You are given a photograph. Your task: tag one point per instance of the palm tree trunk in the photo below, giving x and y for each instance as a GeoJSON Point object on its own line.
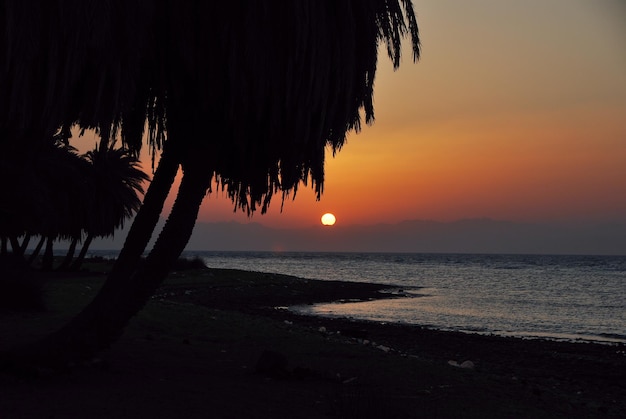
{"type": "Point", "coordinates": [36, 251]}
{"type": "Point", "coordinates": [25, 242]}
{"type": "Point", "coordinates": [104, 319]}
{"type": "Point", "coordinates": [78, 262]}
{"type": "Point", "coordinates": [69, 256]}
{"type": "Point", "coordinates": [146, 219]}
{"type": "Point", "coordinates": [48, 257]}
{"type": "Point", "coordinates": [15, 245]}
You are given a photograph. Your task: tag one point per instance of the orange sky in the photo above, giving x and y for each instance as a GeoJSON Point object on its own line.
{"type": "Point", "coordinates": [516, 111]}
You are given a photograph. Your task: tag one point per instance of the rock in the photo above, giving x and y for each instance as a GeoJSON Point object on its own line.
{"type": "Point", "coordinates": [354, 333]}
{"type": "Point", "coordinates": [469, 365]}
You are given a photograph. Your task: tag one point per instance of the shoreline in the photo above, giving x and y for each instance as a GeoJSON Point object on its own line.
{"type": "Point", "coordinates": [211, 340]}
{"type": "Point", "coordinates": [547, 337]}
{"type": "Point", "coordinates": [582, 372]}
{"type": "Point", "coordinates": [306, 292]}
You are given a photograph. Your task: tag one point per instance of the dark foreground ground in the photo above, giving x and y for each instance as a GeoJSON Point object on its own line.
{"type": "Point", "coordinates": [212, 344]}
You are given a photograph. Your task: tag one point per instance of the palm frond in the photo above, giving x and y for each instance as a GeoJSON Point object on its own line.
{"type": "Point", "coordinates": [250, 92]}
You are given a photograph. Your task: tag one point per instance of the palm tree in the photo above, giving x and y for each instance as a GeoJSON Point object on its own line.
{"type": "Point", "coordinates": [24, 204]}
{"type": "Point", "coordinates": [59, 174]}
{"type": "Point", "coordinates": [115, 180]}
{"type": "Point", "coordinates": [250, 94]}
{"type": "Point", "coordinates": [45, 197]}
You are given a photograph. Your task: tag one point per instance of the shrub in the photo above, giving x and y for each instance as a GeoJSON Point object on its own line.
{"type": "Point", "coordinates": [185, 264]}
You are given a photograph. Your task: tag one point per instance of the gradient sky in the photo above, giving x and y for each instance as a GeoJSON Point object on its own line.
{"type": "Point", "coordinates": [516, 111]}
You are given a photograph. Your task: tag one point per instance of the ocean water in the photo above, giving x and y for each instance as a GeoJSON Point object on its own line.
{"type": "Point", "coordinates": [532, 296]}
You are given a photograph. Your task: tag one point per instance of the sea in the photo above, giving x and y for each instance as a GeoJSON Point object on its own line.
{"type": "Point", "coordinates": [573, 298]}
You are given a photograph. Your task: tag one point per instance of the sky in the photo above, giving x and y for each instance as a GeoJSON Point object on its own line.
{"type": "Point", "coordinates": [516, 111]}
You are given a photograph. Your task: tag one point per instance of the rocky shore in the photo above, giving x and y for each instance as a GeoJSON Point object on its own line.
{"type": "Point", "coordinates": [219, 343]}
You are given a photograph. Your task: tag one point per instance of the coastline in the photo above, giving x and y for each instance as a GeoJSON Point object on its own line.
{"type": "Point", "coordinates": [213, 341]}
{"type": "Point", "coordinates": [579, 374]}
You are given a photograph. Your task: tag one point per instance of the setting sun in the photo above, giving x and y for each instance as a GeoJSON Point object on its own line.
{"type": "Point", "coordinates": [328, 219]}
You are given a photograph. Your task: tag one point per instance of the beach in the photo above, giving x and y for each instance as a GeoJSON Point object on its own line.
{"type": "Point", "coordinates": [221, 343]}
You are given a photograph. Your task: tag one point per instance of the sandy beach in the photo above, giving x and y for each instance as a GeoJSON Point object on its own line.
{"type": "Point", "coordinates": [220, 343]}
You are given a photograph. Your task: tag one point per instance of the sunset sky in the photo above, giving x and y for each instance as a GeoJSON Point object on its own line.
{"type": "Point", "coordinates": [516, 111]}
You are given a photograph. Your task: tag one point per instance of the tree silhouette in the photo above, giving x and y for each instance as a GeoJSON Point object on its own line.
{"type": "Point", "coordinates": [60, 172]}
{"type": "Point", "coordinates": [114, 181]}
{"type": "Point", "coordinates": [66, 196]}
{"type": "Point", "coordinates": [248, 94]}
{"type": "Point", "coordinates": [43, 196]}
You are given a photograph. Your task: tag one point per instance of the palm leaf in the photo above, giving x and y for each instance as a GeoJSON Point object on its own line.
{"type": "Point", "coordinates": [253, 93]}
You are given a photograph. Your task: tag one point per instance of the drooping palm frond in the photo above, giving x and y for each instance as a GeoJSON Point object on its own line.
{"type": "Point", "coordinates": [115, 185]}
{"type": "Point", "coordinates": [259, 90]}
{"type": "Point", "coordinates": [44, 196]}
{"type": "Point", "coordinates": [63, 172]}
{"type": "Point", "coordinates": [72, 61]}
{"type": "Point", "coordinates": [249, 92]}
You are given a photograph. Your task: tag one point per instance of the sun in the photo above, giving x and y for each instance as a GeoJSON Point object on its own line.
{"type": "Point", "coordinates": [328, 219]}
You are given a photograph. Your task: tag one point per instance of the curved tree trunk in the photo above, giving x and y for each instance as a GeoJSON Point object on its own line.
{"type": "Point", "coordinates": [36, 251]}
{"type": "Point", "coordinates": [78, 262]}
{"type": "Point", "coordinates": [104, 319]}
{"type": "Point", "coordinates": [15, 246]}
{"type": "Point", "coordinates": [25, 242]}
{"type": "Point", "coordinates": [144, 222]}
{"type": "Point", "coordinates": [125, 290]}
{"type": "Point", "coordinates": [47, 261]}
{"type": "Point", "coordinates": [146, 219]}
{"type": "Point", "coordinates": [69, 256]}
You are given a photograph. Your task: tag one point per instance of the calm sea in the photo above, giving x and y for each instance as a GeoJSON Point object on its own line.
{"type": "Point", "coordinates": [559, 297]}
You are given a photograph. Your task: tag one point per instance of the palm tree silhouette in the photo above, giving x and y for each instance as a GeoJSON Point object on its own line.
{"type": "Point", "coordinates": [248, 94]}
{"type": "Point", "coordinates": [64, 195]}
{"type": "Point", "coordinates": [59, 175]}
{"type": "Point", "coordinates": [43, 197]}
{"type": "Point", "coordinates": [114, 184]}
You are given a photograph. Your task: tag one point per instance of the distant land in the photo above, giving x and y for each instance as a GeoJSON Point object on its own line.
{"type": "Point", "coordinates": [463, 236]}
